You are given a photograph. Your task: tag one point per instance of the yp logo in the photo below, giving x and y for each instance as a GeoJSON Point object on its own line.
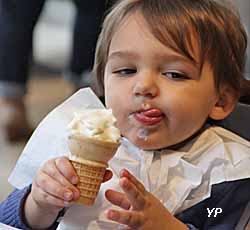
{"type": "Point", "coordinates": [216, 211]}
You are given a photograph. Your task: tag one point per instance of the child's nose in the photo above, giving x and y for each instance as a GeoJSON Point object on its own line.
{"type": "Point", "coordinates": [146, 85]}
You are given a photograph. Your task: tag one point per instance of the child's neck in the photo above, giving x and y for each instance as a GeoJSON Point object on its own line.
{"type": "Point", "coordinates": [183, 143]}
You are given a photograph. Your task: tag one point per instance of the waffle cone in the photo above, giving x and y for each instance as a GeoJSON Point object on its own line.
{"type": "Point", "coordinates": [89, 158]}
{"type": "Point", "coordinates": [90, 178]}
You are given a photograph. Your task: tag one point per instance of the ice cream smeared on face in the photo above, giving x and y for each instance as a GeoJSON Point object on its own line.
{"type": "Point", "coordinates": [143, 134]}
{"type": "Point", "coordinates": [95, 123]}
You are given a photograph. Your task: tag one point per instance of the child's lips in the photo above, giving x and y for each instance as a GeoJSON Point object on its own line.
{"type": "Point", "coordinates": [149, 116]}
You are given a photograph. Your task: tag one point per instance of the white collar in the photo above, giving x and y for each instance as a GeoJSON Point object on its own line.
{"type": "Point", "coordinates": [182, 178]}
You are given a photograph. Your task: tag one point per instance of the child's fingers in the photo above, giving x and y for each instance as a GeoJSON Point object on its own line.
{"type": "Point", "coordinates": [108, 175]}
{"type": "Point", "coordinates": [67, 169]}
{"type": "Point", "coordinates": [132, 219]}
{"type": "Point", "coordinates": [118, 198]}
{"type": "Point", "coordinates": [50, 168]}
{"type": "Point", "coordinates": [53, 187]}
{"type": "Point", "coordinates": [44, 198]}
{"type": "Point", "coordinates": [134, 195]}
{"type": "Point", "coordinates": [137, 183]}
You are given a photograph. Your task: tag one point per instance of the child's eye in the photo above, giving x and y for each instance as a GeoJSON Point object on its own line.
{"type": "Point", "coordinates": [176, 75]}
{"type": "Point", "coordinates": [125, 71]}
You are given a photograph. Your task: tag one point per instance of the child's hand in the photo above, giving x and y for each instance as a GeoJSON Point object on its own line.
{"type": "Point", "coordinates": [53, 188]}
{"type": "Point", "coordinates": [141, 209]}
{"type": "Point", "coordinates": [54, 185]}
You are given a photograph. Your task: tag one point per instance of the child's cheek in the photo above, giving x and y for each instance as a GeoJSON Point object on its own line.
{"type": "Point", "coordinates": [108, 96]}
{"type": "Point", "coordinates": [111, 97]}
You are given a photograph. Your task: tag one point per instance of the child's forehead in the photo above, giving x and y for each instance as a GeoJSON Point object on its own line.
{"type": "Point", "coordinates": [136, 23]}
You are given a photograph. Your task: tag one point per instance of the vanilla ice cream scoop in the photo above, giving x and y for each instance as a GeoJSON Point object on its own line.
{"type": "Point", "coordinates": [95, 123]}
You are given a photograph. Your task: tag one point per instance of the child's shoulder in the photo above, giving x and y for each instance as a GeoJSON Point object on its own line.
{"type": "Point", "coordinates": [223, 208]}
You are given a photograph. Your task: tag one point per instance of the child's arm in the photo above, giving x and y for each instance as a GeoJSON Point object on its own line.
{"type": "Point", "coordinates": [10, 208]}
{"type": "Point", "coordinates": [53, 189]}
{"type": "Point", "coordinates": [142, 209]}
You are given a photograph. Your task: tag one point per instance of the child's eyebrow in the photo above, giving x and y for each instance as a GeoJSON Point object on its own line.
{"type": "Point", "coordinates": [123, 54]}
{"type": "Point", "coordinates": [126, 54]}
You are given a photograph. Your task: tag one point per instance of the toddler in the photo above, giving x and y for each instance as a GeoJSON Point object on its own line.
{"type": "Point", "coordinates": [169, 70]}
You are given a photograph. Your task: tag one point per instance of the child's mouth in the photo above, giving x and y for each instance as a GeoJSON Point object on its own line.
{"type": "Point", "coordinates": [149, 117]}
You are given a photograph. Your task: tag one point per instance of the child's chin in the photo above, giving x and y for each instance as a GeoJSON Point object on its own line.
{"type": "Point", "coordinates": [147, 144]}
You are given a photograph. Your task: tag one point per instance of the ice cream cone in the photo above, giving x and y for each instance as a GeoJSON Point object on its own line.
{"type": "Point", "coordinates": [89, 158]}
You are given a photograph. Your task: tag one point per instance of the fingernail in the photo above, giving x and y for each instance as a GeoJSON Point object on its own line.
{"type": "Point", "coordinates": [74, 180]}
{"type": "Point", "coordinates": [123, 173]}
{"type": "Point", "coordinates": [68, 195]}
{"type": "Point", "coordinates": [124, 182]}
{"type": "Point", "coordinates": [110, 214]}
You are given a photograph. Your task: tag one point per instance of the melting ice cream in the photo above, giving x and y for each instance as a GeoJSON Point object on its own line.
{"type": "Point", "coordinates": [95, 123]}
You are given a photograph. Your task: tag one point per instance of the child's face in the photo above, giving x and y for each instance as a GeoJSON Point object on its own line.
{"type": "Point", "coordinates": [158, 96]}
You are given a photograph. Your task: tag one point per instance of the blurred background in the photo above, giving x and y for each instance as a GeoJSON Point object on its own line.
{"type": "Point", "coordinates": [52, 45]}
{"type": "Point", "coordinates": [244, 9]}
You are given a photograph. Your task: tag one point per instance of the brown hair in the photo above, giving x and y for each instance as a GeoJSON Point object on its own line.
{"type": "Point", "coordinates": [216, 28]}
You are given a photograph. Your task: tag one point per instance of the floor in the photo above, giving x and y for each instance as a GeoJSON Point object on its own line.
{"type": "Point", "coordinates": [45, 92]}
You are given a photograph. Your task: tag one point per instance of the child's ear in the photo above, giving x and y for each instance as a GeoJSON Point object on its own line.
{"type": "Point", "coordinates": [226, 103]}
